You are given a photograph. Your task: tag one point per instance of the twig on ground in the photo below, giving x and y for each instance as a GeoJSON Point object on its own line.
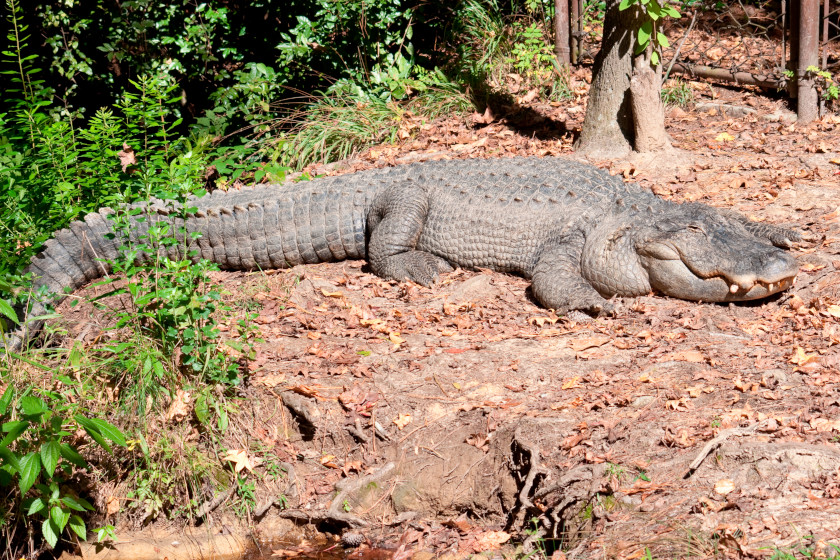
{"type": "Point", "coordinates": [715, 442]}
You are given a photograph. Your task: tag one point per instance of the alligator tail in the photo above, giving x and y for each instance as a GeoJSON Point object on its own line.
{"type": "Point", "coordinates": [74, 256]}
{"type": "Point", "coordinates": [257, 228]}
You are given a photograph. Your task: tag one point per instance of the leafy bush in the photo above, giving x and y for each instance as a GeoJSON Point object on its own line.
{"type": "Point", "coordinates": [351, 116]}
{"type": "Point", "coordinates": [37, 460]}
{"type": "Point", "coordinates": [345, 39]}
{"type": "Point", "coordinates": [493, 43]}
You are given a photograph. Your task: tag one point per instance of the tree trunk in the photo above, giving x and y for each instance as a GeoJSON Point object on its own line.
{"type": "Point", "coordinates": [619, 119]}
{"type": "Point", "coordinates": [648, 112]}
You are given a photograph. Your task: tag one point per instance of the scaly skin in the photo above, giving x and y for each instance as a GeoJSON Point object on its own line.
{"type": "Point", "coordinates": [579, 234]}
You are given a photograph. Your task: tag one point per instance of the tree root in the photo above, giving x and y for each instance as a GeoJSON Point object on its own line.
{"type": "Point", "coordinates": [208, 507]}
{"type": "Point", "coordinates": [282, 500]}
{"type": "Point", "coordinates": [529, 484]}
{"type": "Point", "coordinates": [333, 513]}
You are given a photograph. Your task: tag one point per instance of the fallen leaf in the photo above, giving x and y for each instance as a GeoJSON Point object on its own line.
{"type": "Point", "coordinates": [112, 505]}
{"type": "Point", "coordinates": [352, 466]}
{"type": "Point", "coordinates": [327, 461]}
{"type": "Point", "coordinates": [724, 137]}
{"type": "Point", "coordinates": [694, 391]}
{"type": "Point", "coordinates": [241, 460]}
{"type": "Point", "coordinates": [395, 337]}
{"type": "Point", "coordinates": [179, 409]}
{"type": "Point", "coordinates": [491, 540]}
{"type": "Point", "coordinates": [486, 118]}
{"type": "Point", "coordinates": [800, 358]}
{"type": "Point", "coordinates": [572, 383]}
{"type": "Point", "coordinates": [679, 404]}
{"type": "Point", "coordinates": [580, 344]}
{"type": "Point", "coordinates": [692, 356]}
{"type": "Point", "coordinates": [402, 421]}
{"type": "Point", "coordinates": [825, 425]}
{"type": "Point", "coordinates": [724, 486]}
{"type": "Point", "coordinates": [540, 320]}
{"type": "Point", "coordinates": [126, 157]}
{"type": "Point", "coordinates": [808, 267]}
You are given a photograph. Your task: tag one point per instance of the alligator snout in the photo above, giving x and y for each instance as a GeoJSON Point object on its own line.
{"type": "Point", "coordinates": [773, 272]}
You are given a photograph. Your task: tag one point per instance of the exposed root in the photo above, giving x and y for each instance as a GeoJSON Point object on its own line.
{"type": "Point", "coordinates": [302, 408]}
{"type": "Point", "coordinates": [310, 516]}
{"type": "Point", "coordinates": [345, 488]}
{"type": "Point", "coordinates": [574, 496]}
{"type": "Point", "coordinates": [358, 432]}
{"type": "Point", "coordinates": [535, 469]}
{"type": "Point", "coordinates": [281, 501]}
{"type": "Point", "coordinates": [208, 507]}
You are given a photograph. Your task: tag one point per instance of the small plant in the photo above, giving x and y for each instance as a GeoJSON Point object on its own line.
{"type": "Point", "coordinates": [641, 474]}
{"type": "Point", "coordinates": [246, 492]}
{"type": "Point", "coordinates": [36, 453]}
{"type": "Point", "coordinates": [536, 534]}
{"type": "Point", "coordinates": [677, 92]}
{"type": "Point", "coordinates": [806, 550]}
{"type": "Point", "coordinates": [615, 472]}
{"type": "Point", "coordinates": [273, 469]}
{"type": "Point", "coordinates": [337, 125]}
{"type": "Point", "coordinates": [830, 91]}
{"type": "Point", "coordinates": [172, 299]}
{"type": "Point", "coordinates": [531, 55]}
{"type": "Point", "coordinates": [106, 533]}
{"type": "Point", "coordinates": [168, 476]}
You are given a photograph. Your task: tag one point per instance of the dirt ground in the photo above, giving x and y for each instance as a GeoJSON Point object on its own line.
{"type": "Point", "coordinates": [464, 418]}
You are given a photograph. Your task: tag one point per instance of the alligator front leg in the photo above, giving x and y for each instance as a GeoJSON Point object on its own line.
{"type": "Point", "coordinates": [778, 236]}
{"type": "Point", "coordinates": [395, 223]}
{"type": "Point", "coordinates": [557, 283]}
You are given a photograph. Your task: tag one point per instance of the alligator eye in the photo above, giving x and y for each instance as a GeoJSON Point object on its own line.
{"type": "Point", "coordinates": [695, 228]}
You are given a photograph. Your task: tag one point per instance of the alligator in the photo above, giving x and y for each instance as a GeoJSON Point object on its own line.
{"type": "Point", "coordinates": [579, 234]}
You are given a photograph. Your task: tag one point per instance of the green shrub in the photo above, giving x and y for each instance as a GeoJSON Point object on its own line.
{"type": "Point", "coordinates": [38, 459]}
{"type": "Point", "coordinates": [493, 43]}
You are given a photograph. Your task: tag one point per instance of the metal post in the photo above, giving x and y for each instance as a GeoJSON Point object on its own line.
{"type": "Point", "coordinates": [574, 36]}
{"type": "Point", "coordinates": [825, 34]}
{"type": "Point", "coordinates": [561, 31]}
{"type": "Point", "coordinates": [794, 28]}
{"type": "Point", "coordinates": [809, 47]}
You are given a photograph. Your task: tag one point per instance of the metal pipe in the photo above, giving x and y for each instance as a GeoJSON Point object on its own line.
{"type": "Point", "coordinates": [562, 45]}
{"type": "Point", "coordinates": [809, 55]}
{"type": "Point", "coordinates": [760, 80]}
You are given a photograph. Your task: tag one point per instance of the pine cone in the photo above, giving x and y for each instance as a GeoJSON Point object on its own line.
{"type": "Point", "coordinates": [352, 539]}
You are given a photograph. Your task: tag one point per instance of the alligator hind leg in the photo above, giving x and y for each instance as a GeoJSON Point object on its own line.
{"type": "Point", "coordinates": [557, 283]}
{"type": "Point", "coordinates": [395, 222]}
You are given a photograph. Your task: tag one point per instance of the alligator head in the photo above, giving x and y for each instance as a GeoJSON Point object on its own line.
{"type": "Point", "coordinates": [694, 252]}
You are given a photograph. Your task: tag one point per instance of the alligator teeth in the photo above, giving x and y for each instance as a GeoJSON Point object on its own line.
{"type": "Point", "coordinates": [770, 287]}
{"type": "Point", "coordinates": [733, 288]}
